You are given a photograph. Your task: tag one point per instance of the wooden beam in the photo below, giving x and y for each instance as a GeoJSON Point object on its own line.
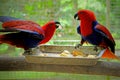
{"type": "Point", "coordinates": [19, 64]}
{"type": "Point", "coordinates": [108, 13]}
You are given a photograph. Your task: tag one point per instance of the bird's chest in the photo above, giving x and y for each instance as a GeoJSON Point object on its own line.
{"type": "Point", "coordinates": [86, 29]}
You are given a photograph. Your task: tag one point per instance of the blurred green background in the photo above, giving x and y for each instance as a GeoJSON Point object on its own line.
{"type": "Point", "coordinates": [42, 11]}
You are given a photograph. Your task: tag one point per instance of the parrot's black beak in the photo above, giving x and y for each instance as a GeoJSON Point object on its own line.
{"type": "Point", "coordinates": [57, 24]}
{"type": "Point", "coordinates": [76, 17]}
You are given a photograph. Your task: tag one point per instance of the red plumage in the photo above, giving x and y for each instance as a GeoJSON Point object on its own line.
{"type": "Point", "coordinates": [24, 25]}
{"type": "Point", "coordinates": [105, 30]}
{"type": "Point", "coordinates": [93, 32]}
{"type": "Point", "coordinates": [26, 34]}
{"type": "Point", "coordinates": [49, 31]}
{"type": "Point", "coordinates": [23, 28]}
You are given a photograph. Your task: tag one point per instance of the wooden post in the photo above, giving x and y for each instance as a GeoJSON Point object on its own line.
{"type": "Point", "coordinates": [19, 64]}
{"type": "Point", "coordinates": [108, 13]}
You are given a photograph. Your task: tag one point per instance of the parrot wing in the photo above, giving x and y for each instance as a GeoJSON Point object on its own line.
{"type": "Point", "coordinates": [22, 38]}
{"type": "Point", "coordinates": [7, 18]}
{"type": "Point", "coordinates": [15, 24]}
{"type": "Point", "coordinates": [108, 40]}
{"type": "Point", "coordinates": [104, 32]}
{"type": "Point", "coordinates": [21, 30]}
{"type": "Point", "coordinates": [24, 34]}
{"type": "Point", "coordinates": [24, 28]}
{"type": "Point", "coordinates": [78, 30]}
{"type": "Point", "coordinates": [106, 36]}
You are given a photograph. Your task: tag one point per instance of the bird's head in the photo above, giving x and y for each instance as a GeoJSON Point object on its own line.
{"type": "Point", "coordinates": [53, 24]}
{"type": "Point", "coordinates": [49, 29]}
{"type": "Point", "coordinates": [57, 24]}
{"type": "Point", "coordinates": [85, 15]}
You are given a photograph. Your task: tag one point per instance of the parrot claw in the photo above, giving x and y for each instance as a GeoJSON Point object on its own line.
{"type": "Point", "coordinates": [31, 51]}
{"type": "Point", "coordinates": [36, 50]}
{"type": "Point", "coordinates": [78, 45]}
{"type": "Point", "coordinates": [95, 48]}
{"type": "Point", "coordinates": [27, 52]}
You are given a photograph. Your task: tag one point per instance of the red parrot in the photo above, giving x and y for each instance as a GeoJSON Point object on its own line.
{"type": "Point", "coordinates": [25, 34]}
{"type": "Point", "coordinates": [93, 32]}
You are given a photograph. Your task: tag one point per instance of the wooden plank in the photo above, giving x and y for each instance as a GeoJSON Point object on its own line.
{"type": "Point", "coordinates": [108, 13]}
{"type": "Point", "coordinates": [19, 64]}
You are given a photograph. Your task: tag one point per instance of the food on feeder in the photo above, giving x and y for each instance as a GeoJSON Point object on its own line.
{"type": "Point", "coordinates": [65, 53]}
{"type": "Point", "coordinates": [91, 56]}
{"type": "Point", "coordinates": [74, 53]}
{"type": "Point", "coordinates": [78, 53]}
{"type": "Point", "coordinates": [42, 54]}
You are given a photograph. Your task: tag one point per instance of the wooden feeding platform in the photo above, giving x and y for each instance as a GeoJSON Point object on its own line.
{"type": "Point", "coordinates": [54, 62]}
{"type": "Point", "coordinates": [53, 54]}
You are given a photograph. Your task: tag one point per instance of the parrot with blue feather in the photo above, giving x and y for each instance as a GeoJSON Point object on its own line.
{"type": "Point", "coordinates": [93, 32]}
{"type": "Point", "coordinates": [24, 33]}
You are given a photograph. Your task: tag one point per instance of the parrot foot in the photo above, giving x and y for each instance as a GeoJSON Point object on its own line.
{"type": "Point", "coordinates": [95, 48]}
{"type": "Point", "coordinates": [32, 51]}
{"type": "Point", "coordinates": [78, 45]}
{"type": "Point", "coordinates": [36, 50]}
{"type": "Point", "coordinates": [28, 52]}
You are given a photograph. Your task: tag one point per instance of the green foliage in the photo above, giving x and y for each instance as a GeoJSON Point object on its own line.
{"type": "Point", "coordinates": [42, 11]}
{"type": "Point", "coordinates": [3, 48]}
{"type": "Point", "coordinates": [51, 76]}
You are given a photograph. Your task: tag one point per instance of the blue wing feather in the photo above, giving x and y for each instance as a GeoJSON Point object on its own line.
{"type": "Point", "coordinates": [78, 30]}
{"type": "Point", "coordinates": [106, 39]}
{"type": "Point", "coordinates": [20, 37]}
{"type": "Point", "coordinates": [26, 38]}
{"type": "Point", "coordinates": [7, 18]}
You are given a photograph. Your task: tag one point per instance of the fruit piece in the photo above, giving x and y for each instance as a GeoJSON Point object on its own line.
{"type": "Point", "coordinates": [77, 53]}
{"type": "Point", "coordinates": [91, 56]}
{"type": "Point", "coordinates": [65, 53]}
{"type": "Point", "coordinates": [42, 54]}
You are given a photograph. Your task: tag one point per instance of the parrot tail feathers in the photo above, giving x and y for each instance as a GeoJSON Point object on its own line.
{"type": "Point", "coordinates": [109, 54]}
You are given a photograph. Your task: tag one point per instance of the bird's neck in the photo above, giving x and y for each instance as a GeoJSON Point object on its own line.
{"type": "Point", "coordinates": [48, 34]}
{"type": "Point", "coordinates": [87, 27]}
